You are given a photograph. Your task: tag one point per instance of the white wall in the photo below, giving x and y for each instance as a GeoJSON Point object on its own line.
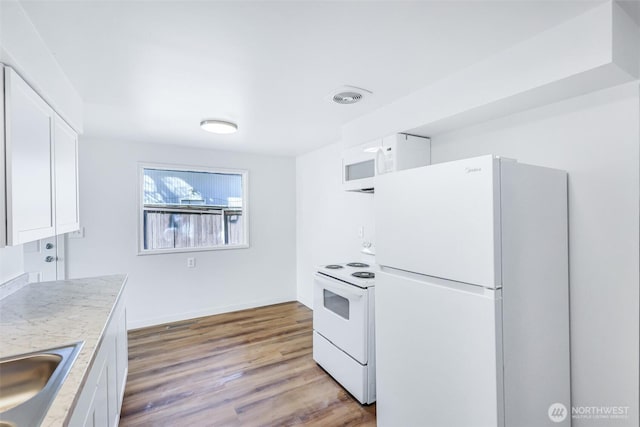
{"type": "Point", "coordinates": [161, 287]}
{"type": "Point", "coordinates": [22, 48]}
{"type": "Point", "coordinates": [327, 217]}
{"type": "Point", "coordinates": [594, 50]}
{"type": "Point", "coordinates": [596, 139]}
{"type": "Point", "coordinates": [11, 263]}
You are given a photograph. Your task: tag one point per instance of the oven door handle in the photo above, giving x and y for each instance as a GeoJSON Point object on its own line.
{"type": "Point", "coordinates": [342, 291]}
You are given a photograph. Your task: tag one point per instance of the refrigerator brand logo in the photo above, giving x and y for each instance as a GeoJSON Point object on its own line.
{"type": "Point", "coordinates": [471, 170]}
{"type": "Point", "coordinates": [557, 412]}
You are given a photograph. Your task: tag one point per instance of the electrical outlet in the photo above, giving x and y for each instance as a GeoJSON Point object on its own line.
{"type": "Point", "coordinates": [78, 234]}
{"type": "Point", "coordinates": [191, 262]}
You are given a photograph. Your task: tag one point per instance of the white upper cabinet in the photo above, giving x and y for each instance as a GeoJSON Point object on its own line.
{"type": "Point", "coordinates": [29, 169]}
{"type": "Point", "coordinates": [41, 166]}
{"type": "Point", "coordinates": [66, 177]}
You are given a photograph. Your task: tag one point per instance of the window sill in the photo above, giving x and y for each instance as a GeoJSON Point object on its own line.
{"type": "Point", "coordinates": [184, 250]}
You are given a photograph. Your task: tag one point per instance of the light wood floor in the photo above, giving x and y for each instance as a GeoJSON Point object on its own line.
{"type": "Point", "coordinates": [247, 368]}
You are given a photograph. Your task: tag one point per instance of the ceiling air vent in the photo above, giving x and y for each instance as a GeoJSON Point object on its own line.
{"type": "Point", "coordinates": [349, 95]}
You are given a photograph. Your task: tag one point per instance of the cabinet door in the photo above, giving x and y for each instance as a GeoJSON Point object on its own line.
{"type": "Point", "coordinates": [92, 406]}
{"type": "Point", "coordinates": [3, 209]}
{"type": "Point", "coordinates": [122, 352]}
{"type": "Point", "coordinates": [65, 145]}
{"type": "Point", "coordinates": [99, 410]}
{"type": "Point", "coordinates": [29, 166]}
{"type": "Point", "coordinates": [100, 399]}
{"type": "Point", "coordinates": [113, 411]}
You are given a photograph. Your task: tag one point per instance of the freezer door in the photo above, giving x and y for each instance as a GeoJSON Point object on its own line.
{"type": "Point", "coordinates": [442, 220]}
{"type": "Point", "coordinates": [437, 353]}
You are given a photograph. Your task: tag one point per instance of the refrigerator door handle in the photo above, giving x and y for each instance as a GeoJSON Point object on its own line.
{"type": "Point", "coordinates": [430, 280]}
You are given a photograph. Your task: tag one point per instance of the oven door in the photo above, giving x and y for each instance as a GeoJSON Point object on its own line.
{"type": "Point", "coordinates": [340, 315]}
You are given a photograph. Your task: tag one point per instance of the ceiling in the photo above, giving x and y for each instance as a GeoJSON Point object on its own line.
{"type": "Point", "coordinates": [149, 71]}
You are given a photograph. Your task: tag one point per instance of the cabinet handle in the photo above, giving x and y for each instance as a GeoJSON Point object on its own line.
{"type": "Point", "coordinates": [49, 246]}
{"type": "Point", "coordinates": [49, 259]}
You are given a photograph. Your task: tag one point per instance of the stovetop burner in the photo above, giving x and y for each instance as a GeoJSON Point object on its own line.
{"type": "Point", "coordinates": [364, 274]}
{"type": "Point", "coordinates": [358, 265]}
{"type": "Point", "coordinates": [333, 266]}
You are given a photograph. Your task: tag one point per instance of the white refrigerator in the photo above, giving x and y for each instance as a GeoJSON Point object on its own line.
{"type": "Point", "coordinates": [472, 300]}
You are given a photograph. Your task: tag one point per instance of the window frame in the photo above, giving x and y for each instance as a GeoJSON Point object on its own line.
{"type": "Point", "coordinates": [188, 168]}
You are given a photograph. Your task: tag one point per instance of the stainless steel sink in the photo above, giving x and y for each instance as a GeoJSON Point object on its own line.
{"type": "Point", "coordinates": [23, 378]}
{"type": "Point", "coordinates": [30, 382]}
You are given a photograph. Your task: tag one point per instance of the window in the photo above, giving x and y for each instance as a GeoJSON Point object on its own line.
{"type": "Point", "coordinates": [190, 209]}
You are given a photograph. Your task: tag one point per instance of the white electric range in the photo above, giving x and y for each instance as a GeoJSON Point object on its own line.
{"type": "Point", "coordinates": [343, 326]}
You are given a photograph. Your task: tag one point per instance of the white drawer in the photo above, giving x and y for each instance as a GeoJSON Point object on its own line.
{"type": "Point", "coordinates": [347, 371]}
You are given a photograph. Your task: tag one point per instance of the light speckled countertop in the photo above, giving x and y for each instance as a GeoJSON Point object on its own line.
{"type": "Point", "coordinates": [52, 314]}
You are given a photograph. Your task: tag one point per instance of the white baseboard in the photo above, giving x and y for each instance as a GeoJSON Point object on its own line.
{"type": "Point", "coordinates": [177, 317]}
{"type": "Point", "coordinates": [306, 302]}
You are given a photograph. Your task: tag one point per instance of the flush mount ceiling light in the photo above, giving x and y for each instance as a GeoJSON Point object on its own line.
{"type": "Point", "coordinates": [219, 126]}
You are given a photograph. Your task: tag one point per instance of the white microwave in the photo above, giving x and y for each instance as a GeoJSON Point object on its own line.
{"type": "Point", "coordinates": [361, 164]}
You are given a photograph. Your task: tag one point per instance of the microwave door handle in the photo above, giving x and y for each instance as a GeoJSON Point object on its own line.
{"type": "Point", "coordinates": [380, 163]}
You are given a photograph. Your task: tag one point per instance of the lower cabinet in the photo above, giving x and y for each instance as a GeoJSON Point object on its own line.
{"type": "Point", "coordinates": [101, 397]}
